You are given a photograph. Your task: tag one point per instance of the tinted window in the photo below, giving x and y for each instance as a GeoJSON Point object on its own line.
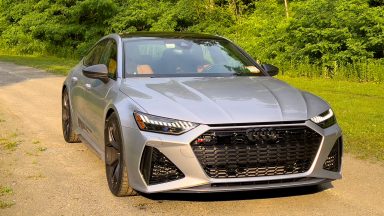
{"type": "Point", "coordinates": [94, 55]}
{"type": "Point", "coordinates": [109, 58]}
{"type": "Point", "coordinates": [186, 57]}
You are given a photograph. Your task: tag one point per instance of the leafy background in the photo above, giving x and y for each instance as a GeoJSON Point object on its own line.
{"type": "Point", "coordinates": [324, 38]}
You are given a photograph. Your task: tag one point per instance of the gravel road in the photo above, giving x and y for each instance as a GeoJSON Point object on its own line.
{"type": "Point", "coordinates": [51, 177]}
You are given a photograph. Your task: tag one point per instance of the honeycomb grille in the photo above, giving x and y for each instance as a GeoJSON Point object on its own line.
{"type": "Point", "coordinates": [333, 161]}
{"type": "Point", "coordinates": [255, 152]}
{"type": "Point", "coordinates": [157, 168]}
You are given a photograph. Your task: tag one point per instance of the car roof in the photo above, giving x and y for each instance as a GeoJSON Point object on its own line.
{"type": "Point", "coordinates": [169, 35]}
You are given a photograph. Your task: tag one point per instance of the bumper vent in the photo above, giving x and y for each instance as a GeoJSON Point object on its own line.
{"type": "Point", "coordinates": [258, 151]}
{"type": "Point", "coordinates": [333, 162]}
{"type": "Point", "coordinates": [156, 168]}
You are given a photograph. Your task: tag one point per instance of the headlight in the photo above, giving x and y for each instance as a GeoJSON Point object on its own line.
{"type": "Point", "coordinates": [158, 124]}
{"type": "Point", "coordinates": [325, 119]}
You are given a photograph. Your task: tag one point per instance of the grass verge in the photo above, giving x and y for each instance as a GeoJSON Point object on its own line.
{"type": "Point", "coordinates": [51, 64]}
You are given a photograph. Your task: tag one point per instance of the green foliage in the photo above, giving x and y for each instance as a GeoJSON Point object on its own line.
{"type": "Point", "coordinates": [330, 37]}
{"type": "Point", "coordinates": [64, 28]}
{"type": "Point", "coordinates": [326, 30]}
{"type": "Point", "coordinates": [359, 71]}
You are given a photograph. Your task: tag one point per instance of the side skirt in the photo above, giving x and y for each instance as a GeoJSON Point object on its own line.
{"type": "Point", "coordinates": [92, 146]}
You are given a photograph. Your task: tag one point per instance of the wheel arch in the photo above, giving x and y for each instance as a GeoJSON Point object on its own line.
{"type": "Point", "coordinates": [109, 113]}
{"type": "Point", "coordinates": [64, 88]}
{"type": "Point", "coordinates": [124, 107]}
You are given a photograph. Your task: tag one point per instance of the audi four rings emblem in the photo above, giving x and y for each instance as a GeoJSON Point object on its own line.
{"type": "Point", "coordinates": [262, 134]}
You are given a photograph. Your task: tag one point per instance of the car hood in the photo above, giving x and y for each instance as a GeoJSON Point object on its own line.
{"type": "Point", "coordinates": [222, 100]}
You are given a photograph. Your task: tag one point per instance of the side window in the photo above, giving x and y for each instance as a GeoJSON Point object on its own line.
{"type": "Point", "coordinates": [93, 56]}
{"type": "Point", "coordinates": [109, 58]}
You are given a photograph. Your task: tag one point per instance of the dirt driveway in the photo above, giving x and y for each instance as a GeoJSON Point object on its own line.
{"type": "Point", "coordinates": [40, 174]}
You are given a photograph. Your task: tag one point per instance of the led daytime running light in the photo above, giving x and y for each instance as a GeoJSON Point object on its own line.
{"type": "Point", "coordinates": [162, 125]}
{"type": "Point", "coordinates": [318, 119]}
{"type": "Point", "coordinates": [176, 124]}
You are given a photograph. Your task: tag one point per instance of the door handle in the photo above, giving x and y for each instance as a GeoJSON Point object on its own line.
{"type": "Point", "coordinates": [88, 86]}
{"type": "Point", "coordinates": [74, 79]}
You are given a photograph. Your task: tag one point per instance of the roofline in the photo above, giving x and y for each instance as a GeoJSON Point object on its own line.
{"type": "Point", "coordinates": [169, 35]}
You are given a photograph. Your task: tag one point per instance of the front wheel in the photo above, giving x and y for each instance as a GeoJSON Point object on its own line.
{"type": "Point", "coordinates": [116, 170]}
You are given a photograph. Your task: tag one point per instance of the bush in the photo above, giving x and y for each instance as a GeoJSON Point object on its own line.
{"type": "Point", "coordinates": [322, 36]}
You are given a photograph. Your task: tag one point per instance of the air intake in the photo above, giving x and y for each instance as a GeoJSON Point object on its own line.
{"type": "Point", "coordinates": [333, 162]}
{"type": "Point", "coordinates": [156, 168]}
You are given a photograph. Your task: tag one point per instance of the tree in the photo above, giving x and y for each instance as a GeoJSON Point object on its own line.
{"type": "Point", "coordinates": [286, 8]}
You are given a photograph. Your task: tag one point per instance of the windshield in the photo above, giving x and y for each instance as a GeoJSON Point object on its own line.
{"type": "Point", "coordinates": [165, 57]}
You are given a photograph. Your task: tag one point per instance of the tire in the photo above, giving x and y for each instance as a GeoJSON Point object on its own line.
{"type": "Point", "coordinates": [115, 168]}
{"type": "Point", "coordinates": [69, 135]}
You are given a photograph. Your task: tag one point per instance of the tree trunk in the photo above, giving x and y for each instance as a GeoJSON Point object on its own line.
{"type": "Point", "coordinates": [286, 8]}
{"type": "Point", "coordinates": [234, 6]}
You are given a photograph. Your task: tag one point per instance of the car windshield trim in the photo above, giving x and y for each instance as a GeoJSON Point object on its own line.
{"type": "Point", "coordinates": [225, 58]}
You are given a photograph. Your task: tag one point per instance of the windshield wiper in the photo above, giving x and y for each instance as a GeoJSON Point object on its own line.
{"type": "Point", "coordinates": [246, 74]}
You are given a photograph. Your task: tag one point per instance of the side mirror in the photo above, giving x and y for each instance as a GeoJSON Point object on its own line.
{"type": "Point", "coordinates": [270, 69]}
{"type": "Point", "coordinates": [99, 71]}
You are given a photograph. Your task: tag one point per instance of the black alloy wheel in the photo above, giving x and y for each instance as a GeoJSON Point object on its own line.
{"type": "Point", "coordinates": [116, 171]}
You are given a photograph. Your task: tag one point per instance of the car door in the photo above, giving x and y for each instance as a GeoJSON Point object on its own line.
{"type": "Point", "coordinates": [98, 94]}
{"type": "Point", "coordinates": [78, 81]}
{"type": "Point", "coordinates": [76, 95]}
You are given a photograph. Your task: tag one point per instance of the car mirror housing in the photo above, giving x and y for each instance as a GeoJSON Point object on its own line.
{"type": "Point", "coordinates": [99, 71]}
{"type": "Point", "coordinates": [270, 69]}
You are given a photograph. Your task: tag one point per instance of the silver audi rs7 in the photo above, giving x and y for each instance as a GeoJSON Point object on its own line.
{"type": "Point", "coordinates": [175, 112]}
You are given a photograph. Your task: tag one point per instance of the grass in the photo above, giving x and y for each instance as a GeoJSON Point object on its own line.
{"type": "Point", "coordinates": [5, 190]}
{"type": "Point", "coordinates": [6, 204]}
{"type": "Point", "coordinates": [360, 71]}
{"type": "Point", "coordinates": [41, 149]}
{"type": "Point", "coordinates": [9, 142]}
{"type": "Point", "coordinates": [359, 111]}
{"type": "Point", "coordinates": [51, 64]}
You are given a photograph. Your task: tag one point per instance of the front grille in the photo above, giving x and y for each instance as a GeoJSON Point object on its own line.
{"type": "Point", "coordinates": [254, 152]}
{"type": "Point", "coordinates": [333, 161]}
{"type": "Point", "coordinates": [156, 168]}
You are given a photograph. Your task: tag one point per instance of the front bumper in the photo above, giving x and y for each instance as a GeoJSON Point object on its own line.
{"type": "Point", "coordinates": [178, 150]}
